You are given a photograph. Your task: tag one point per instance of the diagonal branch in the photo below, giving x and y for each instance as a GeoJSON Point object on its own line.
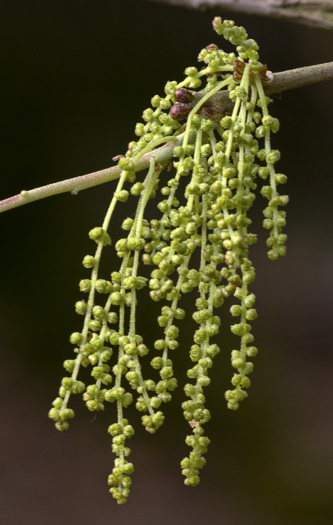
{"type": "Point", "coordinates": [314, 13]}
{"type": "Point", "coordinates": [303, 76]}
{"type": "Point", "coordinates": [90, 180]}
{"type": "Point", "coordinates": [281, 82]}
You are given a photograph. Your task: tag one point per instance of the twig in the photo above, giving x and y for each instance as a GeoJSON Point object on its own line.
{"type": "Point", "coordinates": [281, 82]}
{"type": "Point", "coordinates": [86, 181]}
{"type": "Point", "coordinates": [303, 76]}
{"type": "Point", "coordinates": [314, 13]}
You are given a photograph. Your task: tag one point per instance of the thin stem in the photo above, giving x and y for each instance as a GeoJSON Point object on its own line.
{"type": "Point", "coordinates": [198, 143]}
{"type": "Point", "coordinates": [270, 166]}
{"type": "Point", "coordinates": [149, 184]}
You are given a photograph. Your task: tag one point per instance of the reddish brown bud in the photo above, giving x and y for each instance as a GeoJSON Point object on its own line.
{"type": "Point", "coordinates": [266, 76]}
{"type": "Point", "coordinates": [238, 65]}
{"type": "Point", "coordinates": [211, 47]}
{"type": "Point", "coordinates": [238, 70]}
{"type": "Point", "coordinates": [214, 113]}
{"type": "Point", "coordinates": [180, 111]}
{"type": "Point", "coordinates": [117, 157]}
{"type": "Point", "coordinates": [183, 95]}
{"type": "Point", "coordinates": [158, 167]}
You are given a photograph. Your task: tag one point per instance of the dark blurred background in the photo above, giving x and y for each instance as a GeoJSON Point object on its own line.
{"type": "Point", "coordinates": [75, 79]}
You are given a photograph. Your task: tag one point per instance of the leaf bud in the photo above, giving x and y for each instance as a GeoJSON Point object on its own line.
{"type": "Point", "coordinates": [179, 111]}
{"type": "Point", "coordinates": [183, 95]}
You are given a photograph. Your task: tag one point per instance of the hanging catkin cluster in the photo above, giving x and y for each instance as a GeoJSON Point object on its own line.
{"type": "Point", "coordinates": [218, 122]}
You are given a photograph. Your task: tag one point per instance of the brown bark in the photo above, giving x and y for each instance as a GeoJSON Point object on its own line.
{"type": "Point", "coordinates": [315, 13]}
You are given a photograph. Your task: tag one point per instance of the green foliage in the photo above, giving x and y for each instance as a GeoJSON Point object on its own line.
{"type": "Point", "coordinates": [220, 153]}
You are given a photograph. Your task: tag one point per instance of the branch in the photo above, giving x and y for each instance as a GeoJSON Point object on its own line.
{"type": "Point", "coordinates": [303, 76]}
{"type": "Point", "coordinates": [314, 13]}
{"type": "Point", "coordinates": [83, 182]}
{"type": "Point", "coordinates": [281, 82]}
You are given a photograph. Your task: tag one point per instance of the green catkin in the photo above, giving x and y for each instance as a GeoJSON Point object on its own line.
{"type": "Point", "coordinates": [222, 153]}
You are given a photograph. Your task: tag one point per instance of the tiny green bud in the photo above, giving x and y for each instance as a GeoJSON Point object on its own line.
{"type": "Point", "coordinates": [178, 151]}
{"type": "Point", "coordinates": [85, 285]}
{"type": "Point", "coordinates": [75, 338]}
{"type": "Point", "coordinates": [137, 188]}
{"type": "Point", "coordinates": [127, 224]}
{"type": "Point", "coordinates": [88, 261]}
{"type": "Point", "coordinates": [121, 195]}
{"type": "Point", "coordinates": [81, 307]}
{"type": "Point", "coordinates": [126, 164]}
{"type": "Point", "coordinates": [251, 314]}
{"type": "Point", "coordinates": [99, 235]}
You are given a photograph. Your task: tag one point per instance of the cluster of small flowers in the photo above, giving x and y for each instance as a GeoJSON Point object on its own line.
{"type": "Point", "coordinates": [218, 151]}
